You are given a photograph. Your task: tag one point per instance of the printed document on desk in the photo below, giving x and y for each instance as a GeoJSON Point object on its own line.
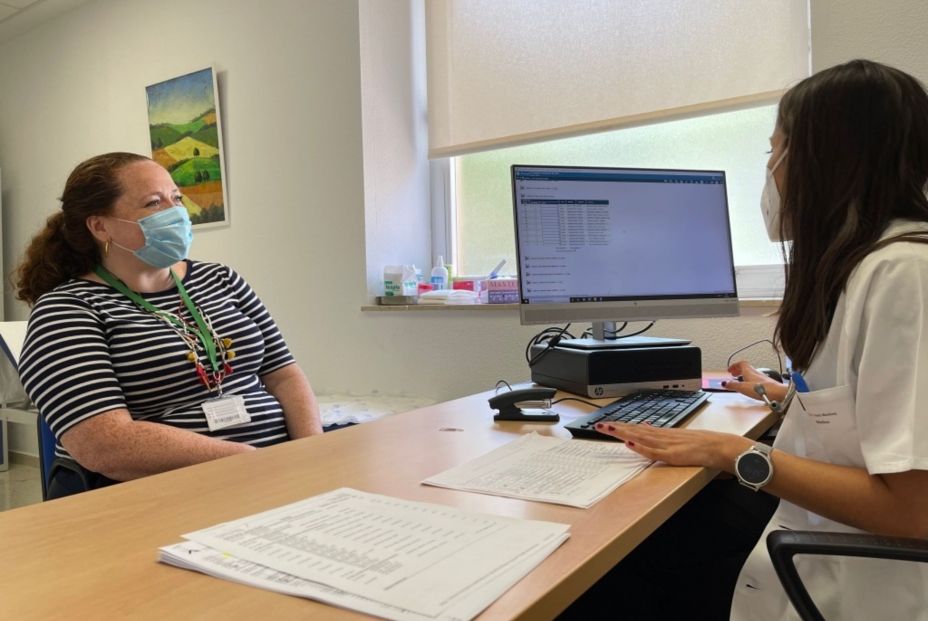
{"type": "Point", "coordinates": [381, 555]}
{"type": "Point", "coordinates": [197, 557]}
{"type": "Point", "coordinates": [577, 473]}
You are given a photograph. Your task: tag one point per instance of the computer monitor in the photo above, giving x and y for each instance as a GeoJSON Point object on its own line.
{"type": "Point", "coordinates": [622, 244]}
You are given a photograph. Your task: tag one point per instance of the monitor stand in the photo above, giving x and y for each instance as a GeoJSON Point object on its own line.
{"type": "Point", "coordinates": [600, 341]}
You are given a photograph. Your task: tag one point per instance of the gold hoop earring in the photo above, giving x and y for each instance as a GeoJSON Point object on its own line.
{"type": "Point", "coordinates": [106, 249]}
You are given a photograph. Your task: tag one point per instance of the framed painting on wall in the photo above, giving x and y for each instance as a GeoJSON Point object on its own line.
{"type": "Point", "coordinates": [186, 138]}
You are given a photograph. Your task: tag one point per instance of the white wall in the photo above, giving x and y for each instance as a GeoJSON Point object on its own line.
{"type": "Point", "coordinates": [396, 171]}
{"type": "Point", "coordinates": [290, 99]}
{"type": "Point", "coordinates": [894, 32]}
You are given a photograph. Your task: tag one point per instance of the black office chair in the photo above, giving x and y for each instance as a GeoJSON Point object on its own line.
{"type": "Point", "coordinates": [784, 544]}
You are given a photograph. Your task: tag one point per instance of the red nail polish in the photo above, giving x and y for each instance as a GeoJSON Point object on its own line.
{"type": "Point", "coordinates": [630, 443]}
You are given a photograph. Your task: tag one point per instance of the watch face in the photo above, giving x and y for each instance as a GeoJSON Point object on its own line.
{"type": "Point", "coordinates": [753, 468]}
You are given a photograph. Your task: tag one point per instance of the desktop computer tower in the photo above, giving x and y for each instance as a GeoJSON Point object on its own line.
{"type": "Point", "coordinates": [616, 372]}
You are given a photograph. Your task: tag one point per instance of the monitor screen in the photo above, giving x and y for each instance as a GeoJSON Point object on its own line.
{"type": "Point", "coordinates": [622, 244]}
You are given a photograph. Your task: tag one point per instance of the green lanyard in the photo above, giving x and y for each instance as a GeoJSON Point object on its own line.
{"type": "Point", "coordinates": [202, 331]}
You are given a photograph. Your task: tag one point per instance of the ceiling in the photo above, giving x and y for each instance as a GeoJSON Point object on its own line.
{"type": "Point", "coordinates": [19, 16]}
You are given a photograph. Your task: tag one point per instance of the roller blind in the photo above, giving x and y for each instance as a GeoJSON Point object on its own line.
{"type": "Point", "coordinates": [507, 72]}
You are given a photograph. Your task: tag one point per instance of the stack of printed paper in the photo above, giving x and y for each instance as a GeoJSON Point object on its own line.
{"type": "Point", "coordinates": [375, 554]}
{"type": "Point", "coordinates": [577, 473]}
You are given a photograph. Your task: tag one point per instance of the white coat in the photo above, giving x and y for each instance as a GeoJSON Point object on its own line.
{"type": "Point", "coordinates": [868, 407]}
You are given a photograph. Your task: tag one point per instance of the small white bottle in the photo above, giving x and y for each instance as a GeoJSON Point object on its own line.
{"type": "Point", "coordinates": [439, 277]}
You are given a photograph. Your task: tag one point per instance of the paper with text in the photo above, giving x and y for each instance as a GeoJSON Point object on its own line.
{"type": "Point", "coordinates": [577, 473]}
{"type": "Point", "coordinates": [415, 556]}
{"type": "Point", "coordinates": [197, 557]}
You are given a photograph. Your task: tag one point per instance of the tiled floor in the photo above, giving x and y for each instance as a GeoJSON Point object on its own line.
{"type": "Point", "coordinates": [19, 486]}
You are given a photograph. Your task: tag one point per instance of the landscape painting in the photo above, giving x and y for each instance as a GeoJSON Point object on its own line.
{"type": "Point", "coordinates": [186, 138]}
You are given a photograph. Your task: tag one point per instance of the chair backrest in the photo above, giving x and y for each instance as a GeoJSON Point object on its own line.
{"type": "Point", "coordinates": [784, 544]}
{"type": "Point", "coordinates": [12, 336]}
{"type": "Point", "coordinates": [46, 452]}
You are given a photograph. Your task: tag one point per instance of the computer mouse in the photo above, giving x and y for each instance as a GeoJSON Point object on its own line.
{"type": "Point", "coordinates": [771, 373]}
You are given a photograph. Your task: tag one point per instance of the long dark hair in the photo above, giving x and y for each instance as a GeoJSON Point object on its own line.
{"type": "Point", "coordinates": [65, 248]}
{"type": "Point", "coordinates": [857, 141]}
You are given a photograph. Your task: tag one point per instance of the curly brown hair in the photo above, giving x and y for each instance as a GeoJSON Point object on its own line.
{"type": "Point", "coordinates": [65, 248]}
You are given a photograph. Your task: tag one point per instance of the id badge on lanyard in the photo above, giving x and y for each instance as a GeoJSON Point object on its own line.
{"type": "Point", "coordinates": [222, 411]}
{"type": "Point", "coordinates": [227, 411]}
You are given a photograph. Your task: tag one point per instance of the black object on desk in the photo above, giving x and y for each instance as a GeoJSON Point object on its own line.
{"type": "Point", "coordinates": [659, 408]}
{"type": "Point", "coordinates": [510, 405]}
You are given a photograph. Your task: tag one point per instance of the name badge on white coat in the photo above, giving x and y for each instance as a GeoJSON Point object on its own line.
{"type": "Point", "coordinates": [225, 412]}
{"type": "Point", "coordinates": [829, 425]}
{"type": "Point", "coordinates": [830, 406]}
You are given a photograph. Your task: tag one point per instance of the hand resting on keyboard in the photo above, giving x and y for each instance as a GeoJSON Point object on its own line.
{"type": "Point", "coordinates": [659, 408]}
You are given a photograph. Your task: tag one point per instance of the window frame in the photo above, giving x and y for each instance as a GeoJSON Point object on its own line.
{"type": "Point", "coordinates": [763, 282]}
{"type": "Point", "coordinates": [443, 194]}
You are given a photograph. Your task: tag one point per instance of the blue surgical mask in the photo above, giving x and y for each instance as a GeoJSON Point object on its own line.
{"type": "Point", "coordinates": [168, 234]}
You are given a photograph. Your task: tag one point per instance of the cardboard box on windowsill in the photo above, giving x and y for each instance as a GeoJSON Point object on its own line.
{"type": "Point", "coordinates": [477, 285]}
{"type": "Point", "coordinates": [502, 291]}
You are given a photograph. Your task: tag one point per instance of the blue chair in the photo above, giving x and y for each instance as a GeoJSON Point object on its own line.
{"type": "Point", "coordinates": [49, 464]}
{"type": "Point", "coordinates": [46, 452]}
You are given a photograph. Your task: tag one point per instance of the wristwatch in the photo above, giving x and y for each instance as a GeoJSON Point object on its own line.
{"type": "Point", "coordinates": [753, 467]}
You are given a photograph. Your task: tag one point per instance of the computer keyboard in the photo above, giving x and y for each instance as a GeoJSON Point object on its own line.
{"type": "Point", "coordinates": [660, 408]}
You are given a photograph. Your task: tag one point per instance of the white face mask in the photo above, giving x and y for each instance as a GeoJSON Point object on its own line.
{"type": "Point", "coordinates": [770, 203]}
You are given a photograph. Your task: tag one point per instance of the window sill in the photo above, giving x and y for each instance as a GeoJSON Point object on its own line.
{"type": "Point", "coordinates": [762, 303]}
{"type": "Point", "coordinates": [749, 307]}
{"type": "Point", "coordinates": [377, 308]}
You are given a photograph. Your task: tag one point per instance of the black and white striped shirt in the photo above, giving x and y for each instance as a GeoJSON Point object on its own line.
{"type": "Point", "coordinates": [90, 349]}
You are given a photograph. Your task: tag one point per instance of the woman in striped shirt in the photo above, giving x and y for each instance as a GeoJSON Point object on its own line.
{"type": "Point", "coordinates": [140, 359]}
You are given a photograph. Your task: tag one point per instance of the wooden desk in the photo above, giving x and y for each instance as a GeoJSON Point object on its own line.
{"type": "Point", "coordinates": [94, 555]}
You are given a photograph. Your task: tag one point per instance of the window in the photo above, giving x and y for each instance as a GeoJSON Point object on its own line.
{"type": "Point", "coordinates": [733, 141]}
{"type": "Point", "coordinates": [643, 83]}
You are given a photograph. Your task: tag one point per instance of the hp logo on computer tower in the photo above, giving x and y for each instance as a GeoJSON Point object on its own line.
{"type": "Point", "coordinates": [598, 391]}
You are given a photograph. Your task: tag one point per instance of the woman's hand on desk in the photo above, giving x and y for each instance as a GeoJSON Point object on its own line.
{"type": "Point", "coordinates": [680, 447]}
{"type": "Point", "coordinates": [751, 377]}
{"type": "Point", "coordinates": [890, 504]}
{"type": "Point", "coordinates": [685, 447]}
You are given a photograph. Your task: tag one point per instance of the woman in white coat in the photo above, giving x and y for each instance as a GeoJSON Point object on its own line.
{"type": "Point", "coordinates": [846, 184]}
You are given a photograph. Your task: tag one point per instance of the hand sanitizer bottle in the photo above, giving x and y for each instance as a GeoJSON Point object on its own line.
{"type": "Point", "coordinates": [439, 277]}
